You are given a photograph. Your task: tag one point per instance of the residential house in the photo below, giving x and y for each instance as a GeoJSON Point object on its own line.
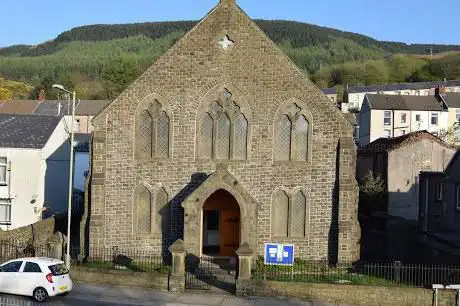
{"type": "Point", "coordinates": [34, 168]}
{"type": "Point", "coordinates": [331, 93]}
{"type": "Point", "coordinates": [354, 96]}
{"type": "Point", "coordinates": [452, 102]}
{"type": "Point", "coordinates": [224, 141]}
{"type": "Point", "coordinates": [399, 161]}
{"type": "Point", "coordinates": [393, 115]}
{"type": "Point", "coordinates": [440, 202]}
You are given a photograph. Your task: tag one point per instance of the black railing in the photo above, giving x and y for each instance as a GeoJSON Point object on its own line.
{"type": "Point", "coordinates": [379, 274]}
{"type": "Point", "coordinates": [102, 258]}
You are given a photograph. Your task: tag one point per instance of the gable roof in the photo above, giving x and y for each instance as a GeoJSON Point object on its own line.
{"type": "Point", "coordinates": [389, 144]}
{"type": "Point", "coordinates": [452, 99]}
{"type": "Point", "coordinates": [329, 91]}
{"type": "Point", "coordinates": [26, 131]}
{"type": "Point", "coordinates": [18, 106]}
{"type": "Point", "coordinates": [198, 51]}
{"type": "Point", "coordinates": [90, 107]}
{"type": "Point", "coordinates": [404, 102]}
{"type": "Point", "coordinates": [402, 86]}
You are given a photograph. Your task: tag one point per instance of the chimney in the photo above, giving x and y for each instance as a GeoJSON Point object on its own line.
{"type": "Point", "coordinates": [440, 90]}
{"type": "Point", "coordinates": [41, 96]}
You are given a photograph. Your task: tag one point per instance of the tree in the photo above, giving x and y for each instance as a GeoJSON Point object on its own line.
{"type": "Point", "coordinates": [119, 73]}
{"type": "Point", "coordinates": [5, 94]}
{"type": "Point", "coordinates": [451, 135]}
{"type": "Point", "coordinates": [372, 194]}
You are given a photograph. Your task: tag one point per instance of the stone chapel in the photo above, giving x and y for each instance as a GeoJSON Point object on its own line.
{"type": "Point", "coordinates": [224, 141]}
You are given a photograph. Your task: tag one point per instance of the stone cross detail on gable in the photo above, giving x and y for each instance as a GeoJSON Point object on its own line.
{"type": "Point", "coordinates": [226, 42]}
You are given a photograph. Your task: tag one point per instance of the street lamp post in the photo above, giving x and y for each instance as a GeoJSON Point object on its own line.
{"type": "Point", "coordinates": [69, 208]}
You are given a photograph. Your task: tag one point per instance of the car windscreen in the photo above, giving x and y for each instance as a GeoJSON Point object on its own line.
{"type": "Point", "coordinates": [59, 269]}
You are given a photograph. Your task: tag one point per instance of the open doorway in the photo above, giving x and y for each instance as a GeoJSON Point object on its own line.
{"type": "Point", "coordinates": [221, 225]}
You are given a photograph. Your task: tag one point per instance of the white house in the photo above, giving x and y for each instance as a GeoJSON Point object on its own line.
{"type": "Point", "coordinates": [34, 168]}
{"type": "Point", "coordinates": [354, 96]}
{"type": "Point", "coordinates": [387, 116]}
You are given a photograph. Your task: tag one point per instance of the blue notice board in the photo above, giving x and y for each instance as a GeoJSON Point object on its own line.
{"type": "Point", "coordinates": [279, 254]}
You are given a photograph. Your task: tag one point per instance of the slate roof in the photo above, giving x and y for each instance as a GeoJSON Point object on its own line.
{"type": "Point", "coordinates": [50, 107]}
{"type": "Point", "coordinates": [452, 99]}
{"type": "Point", "coordinates": [329, 91]}
{"type": "Point", "coordinates": [18, 106]}
{"type": "Point", "coordinates": [402, 86]}
{"type": "Point", "coordinates": [26, 131]}
{"type": "Point", "coordinates": [91, 107]}
{"type": "Point", "coordinates": [389, 144]}
{"type": "Point", "coordinates": [403, 102]}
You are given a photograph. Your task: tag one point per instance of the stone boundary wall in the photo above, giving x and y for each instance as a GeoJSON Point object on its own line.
{"type": "Point", "coordinates": [119, 278]}
{"type": "Point", "coordinates": [36, 233]}
{"type": "Point", "coordinates": [346, 294]}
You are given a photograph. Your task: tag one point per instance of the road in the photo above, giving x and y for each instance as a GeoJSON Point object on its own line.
{"type": "Point", "coordinates": [85, 294]}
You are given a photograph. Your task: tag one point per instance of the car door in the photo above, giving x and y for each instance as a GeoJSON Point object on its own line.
{"type": "Point", "coordinates": [30, 277]}
{"type": "Point", "coordinates": [9, 282]}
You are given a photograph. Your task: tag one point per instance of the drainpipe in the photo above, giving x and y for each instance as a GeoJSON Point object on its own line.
{"type": "Point", "coordinates": [393, 124]}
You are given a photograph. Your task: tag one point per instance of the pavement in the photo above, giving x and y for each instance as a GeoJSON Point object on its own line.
{"type": "Point", "coordinates": [101, 295]}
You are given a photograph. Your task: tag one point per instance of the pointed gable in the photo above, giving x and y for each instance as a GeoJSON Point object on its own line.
{"type": "Point", "coordinates": [226, 46]}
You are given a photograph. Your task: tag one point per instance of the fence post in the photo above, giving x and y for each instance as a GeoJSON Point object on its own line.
{"type": "Point", "coordinates": [176, 282]}
{"type": "Point", "coordinates": [245, 256]}
{"type": "Point", "coordinates": [397, 271]}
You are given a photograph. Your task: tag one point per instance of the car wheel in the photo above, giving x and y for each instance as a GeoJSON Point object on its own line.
{"type": "Point", "coordinates": [40, 295]}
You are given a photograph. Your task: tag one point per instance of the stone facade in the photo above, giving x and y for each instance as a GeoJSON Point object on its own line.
{"type": "Point", "coordinates": [225, 55]}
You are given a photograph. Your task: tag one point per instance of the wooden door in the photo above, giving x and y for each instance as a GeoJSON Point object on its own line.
{"type": "Point", "coordinates": [229, 228]}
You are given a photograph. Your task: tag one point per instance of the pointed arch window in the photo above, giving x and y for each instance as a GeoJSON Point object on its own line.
{"type": "Point", "coordinates": [162, 215]}
{"type": "Point", "coordinates": [223, 130]}
{"type": "Point", "coordinates": [153, 128]}
{"type": "Point", "coordinates": [151, 213]}
{"type": "Point", "coordinates": [280, 214]}
{"type": "Point", "coordinates": [144, 210]}
{"type": "Point", "coordinates": [292, 134]}
{"type": "Point", "coordinates": [298, 215]}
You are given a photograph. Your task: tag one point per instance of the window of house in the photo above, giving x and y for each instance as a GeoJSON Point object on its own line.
{"type": "Point", "coordinates": [5, 212]}
{"type": "Point", "coordinates": [152, 131]}
{"type": "Point", "coordinates": [223, 130]}
{"type": "Point", "coordinates": [458, 197]}
{"type": "Point", "coordinates": [387, 118]}
{"type": "Point", "coordinates": [3, 170]}
{"type": "Point", "coordinates": [387, 133]}
{"type": "Point", "coordinates": [457, 115]}
{"type": "Point", "coordinates": [403, 118]}
{"type": "Point", "coordinates": [417, 117]}
{"type": "Point", "coordinates": [292, 134]}
{"type": "Point", "coordinates": [434, 118]}
{"type": "Point", "coordinates": [439, 191]}
{"type": "Point", "coordinates": [403, 132]}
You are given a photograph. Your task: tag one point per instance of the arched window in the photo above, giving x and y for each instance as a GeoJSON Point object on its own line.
{"type": "Point", "coordinates": [280, 214]}
{"type": "Point", "coordinates": [144, 209]}
{"type": "Point", "coordinates": [152, 132]}
{"type": "Point", "coordinates": [162, 216]}
{"type": "Point", "coordinates": [298, 215]}
{"type": "Point", "coordinates": [223, 130]}
{"type": "Point", "coordinates": [292, 134]}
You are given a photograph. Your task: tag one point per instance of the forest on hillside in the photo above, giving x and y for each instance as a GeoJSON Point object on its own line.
{"type": "Point", "coordinates": [99, 61]}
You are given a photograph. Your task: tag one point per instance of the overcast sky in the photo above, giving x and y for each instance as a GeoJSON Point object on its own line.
{"type": "Point", "coordinates": [410, 21]}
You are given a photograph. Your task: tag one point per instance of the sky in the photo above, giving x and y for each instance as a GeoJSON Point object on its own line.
{"type": "Point", "coordinates": [410, 21]}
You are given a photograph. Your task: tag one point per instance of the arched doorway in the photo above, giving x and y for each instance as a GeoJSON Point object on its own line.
{"type": "Point", "coordinates": [221, 224]}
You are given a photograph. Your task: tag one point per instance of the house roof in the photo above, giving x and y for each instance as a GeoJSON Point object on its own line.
{"type": "Point", "coordinates": [329, 91]}
{"type": "Point", "coordinates": [91, 107]}
{"type": "Point", "coordinates": [18, 106]}
{"type": "Point", "coordinates": [389, 144]}
{"type": "Point", "coordinates": [452, 99]}
{"type": "Point", "coordinates": [26, 131]}
{"type": "Point", "coordinates": [403, 102]}
{"type": "Point", "coordinates": [402, 86]}
{"type": "Point", "coordinates": [51, 108]}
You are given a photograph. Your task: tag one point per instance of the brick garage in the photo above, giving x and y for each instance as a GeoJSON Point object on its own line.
{"type": "Point", "coordinates": [228, 59]}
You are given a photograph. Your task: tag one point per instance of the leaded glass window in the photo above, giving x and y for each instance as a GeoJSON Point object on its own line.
{"type": "Point", "coordinates": [240, 142]}
{"type": "Point", "coordinates": [206, 136]}
{"type": "Point", "coordinates": [162, 211]}
{"type": "Point", "coordinates": [280, 214]}
{"type": "Point", "coordinates": [283, 146]}
{"type": "Point", "coordinates": [145, 133]}
{"type": "Point", "coordinates": [163, 135]}
{"type": "Point", "coordinates": [223, 138]}
{"type": "Point", "coordinates": [301, 136]}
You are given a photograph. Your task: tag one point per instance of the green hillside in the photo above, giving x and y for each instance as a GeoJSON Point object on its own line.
{"type": "Point", "coordinates": [100, 60]}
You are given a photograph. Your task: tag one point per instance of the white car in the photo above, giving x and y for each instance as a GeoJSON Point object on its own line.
{"type": "Point", "coordinates": [38, 277]}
